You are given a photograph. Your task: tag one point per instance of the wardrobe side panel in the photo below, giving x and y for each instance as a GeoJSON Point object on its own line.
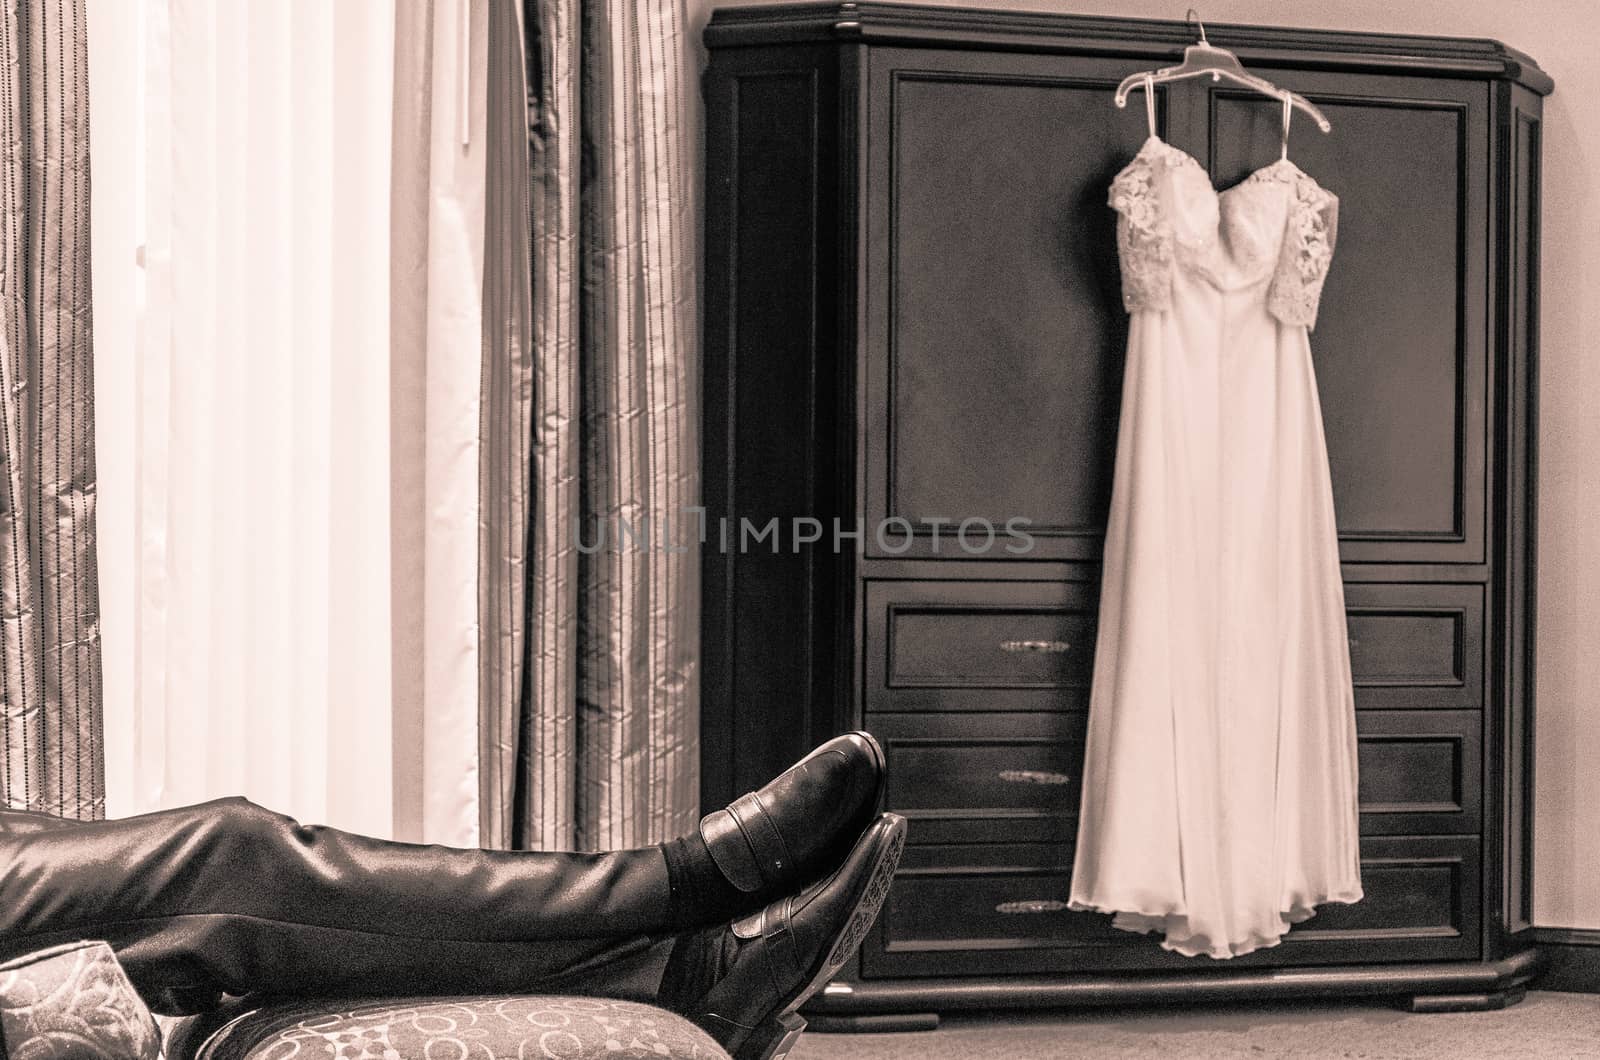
{"type": "Point", "coordinates": [771, 190]}
{"type": "Point", "coordinates": [1509, 836]}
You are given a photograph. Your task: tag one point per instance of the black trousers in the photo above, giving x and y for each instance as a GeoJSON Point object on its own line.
{"type": "Point", "coordinates": [229, 897]}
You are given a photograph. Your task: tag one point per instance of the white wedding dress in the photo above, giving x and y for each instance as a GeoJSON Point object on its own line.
{"type": "Point", "coordinates": [1219, 787]}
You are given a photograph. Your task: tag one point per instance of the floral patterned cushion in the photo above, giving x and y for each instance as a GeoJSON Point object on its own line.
{"type": "Point", "coordinates": [515, 1027]}
{"type": "Point", "coordinates": [73, 1002]}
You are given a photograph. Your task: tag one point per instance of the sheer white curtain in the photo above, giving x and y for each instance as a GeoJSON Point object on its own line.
{"type": "Point", "coordinates": [276, 490]}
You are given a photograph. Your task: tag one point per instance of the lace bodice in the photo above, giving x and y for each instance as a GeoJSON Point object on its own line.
{"type": "Point", "coordinates": [1277, 224]}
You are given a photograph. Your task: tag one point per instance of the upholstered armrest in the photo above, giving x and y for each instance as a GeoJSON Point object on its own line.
{"type": "Point", "coordinates": [73, 1000]}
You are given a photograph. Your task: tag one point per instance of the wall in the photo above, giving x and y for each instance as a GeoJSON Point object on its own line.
{"type": "Point", "coordinates": [1561, 39]}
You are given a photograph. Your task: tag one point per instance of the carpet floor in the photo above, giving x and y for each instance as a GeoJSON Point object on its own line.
{"type": "Point", "coordinates": [1544, 1025]}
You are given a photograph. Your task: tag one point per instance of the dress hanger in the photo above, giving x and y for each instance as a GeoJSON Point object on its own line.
{"type": "Point", "coordinates": [1203, 58]}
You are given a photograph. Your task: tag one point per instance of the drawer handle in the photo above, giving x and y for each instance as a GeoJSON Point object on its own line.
{"type": "Point", "coordinates": [1037, 905]}
{"type": "Point", "coordinates": [1049, 647]}
{"type": "Point", "coordinates": [1033, 776]}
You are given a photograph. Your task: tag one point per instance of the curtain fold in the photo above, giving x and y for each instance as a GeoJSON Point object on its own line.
{"type": "Point", "coordinates": [589, 559]}
{"type": "Point", "coordinates": [437, 280]}
{"type": "Point", "coordinates": [51, 755]}
{"type": "Point", "coordinates": [509, 368]}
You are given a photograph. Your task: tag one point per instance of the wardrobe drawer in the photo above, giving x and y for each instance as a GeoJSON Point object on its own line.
{"type": "Point", "coordinates": [1421, 902]}
{"type": "Point", "coordinates": [1002, 778]}
{"type": "Point", "coordinates": [978, 909]}
{"type": "Point", "coordinates": [974, 909]}
{"type": "Point", "coordinates": [979, 645]}
{"type": "Point", "coordinates": [1420, 771]}
{"type": "Point", "coordinates": [1415, 645]}
{"type": "Point", "coordinates": [1017, 778]}
{"type": "Point", "coordinates": [1029, 645]}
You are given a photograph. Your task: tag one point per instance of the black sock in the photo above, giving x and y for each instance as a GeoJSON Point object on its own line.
{"type": "Point", "coordinates": [700, 893]}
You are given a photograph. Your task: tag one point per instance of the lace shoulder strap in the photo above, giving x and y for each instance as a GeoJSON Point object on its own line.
{"type": "Point", "coordinates": [1144, 238]}
{"type": "Point", "coordinates": [1308, 237]}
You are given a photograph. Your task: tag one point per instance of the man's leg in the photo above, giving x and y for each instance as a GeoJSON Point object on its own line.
{"type": "Point", "coordinates": [227, 896]}
{"type": "Point", "coordinates": [743, 982]}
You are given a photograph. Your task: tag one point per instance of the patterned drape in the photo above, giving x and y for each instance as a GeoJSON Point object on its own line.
{"type": "Point", "coordinates": [51, 756]}
{"type": "Point", "coordinates": [589, 560]}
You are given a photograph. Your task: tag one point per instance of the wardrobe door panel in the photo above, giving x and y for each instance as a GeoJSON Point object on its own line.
{"type": "Point", "coordinates": [995, 328]}
{"type": "Point", "coordinates": [1401, 339]}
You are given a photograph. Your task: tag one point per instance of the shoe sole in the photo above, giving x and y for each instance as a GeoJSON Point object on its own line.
{"type": "Point", "coordinates": [776, 1035]}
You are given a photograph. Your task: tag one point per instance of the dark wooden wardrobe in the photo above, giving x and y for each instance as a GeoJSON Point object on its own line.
{"type": "Point", "coordinates": [912, 313]}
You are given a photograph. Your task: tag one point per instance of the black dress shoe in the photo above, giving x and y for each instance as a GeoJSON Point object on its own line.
{"type": "Point", "coordinates": [753, 975]}
{"type": "Point", "coordinates": [773, 841]}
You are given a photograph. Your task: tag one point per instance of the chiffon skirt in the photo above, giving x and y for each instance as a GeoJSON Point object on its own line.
{"type": "Point", "coordinates": [1219, 789]}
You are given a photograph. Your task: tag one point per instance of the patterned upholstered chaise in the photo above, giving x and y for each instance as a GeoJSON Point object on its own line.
{"type": "Point", "coordinates": [74, 1002]}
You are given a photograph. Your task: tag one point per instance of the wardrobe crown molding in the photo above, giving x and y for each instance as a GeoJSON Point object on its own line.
{"type": "Point", "coordinates": [927, 25]}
